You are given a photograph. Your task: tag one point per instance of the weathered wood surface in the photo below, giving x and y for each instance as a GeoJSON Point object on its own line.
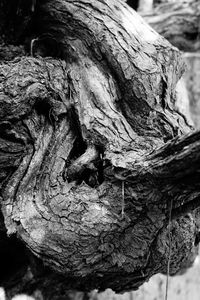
{"type": "Point", "coordinates": [187, 285]}
{"type": "Point", "coordinates": [93, 151]}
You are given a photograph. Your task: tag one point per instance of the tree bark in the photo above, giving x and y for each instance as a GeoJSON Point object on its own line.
{"type": "Point", "coordinates": [95, 152]}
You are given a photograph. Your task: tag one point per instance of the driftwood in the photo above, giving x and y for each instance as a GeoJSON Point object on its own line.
{"type": "Point", "coordinates": [95, 153]}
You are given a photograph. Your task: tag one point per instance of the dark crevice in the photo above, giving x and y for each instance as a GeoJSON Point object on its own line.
{"type": "Point", "coordinates": [186, 208]}
{"type": "Point", "coordinates": [197, 239]}
{"type": "Point", "coordinates": [14, 142]}
{"type": "Point", "coordinates": [18, 17]}
{"type": "Point", "coordinates": [7, 133]}
{"type": "Point", "coordinates": [44, 108]}
{"type": "Point", "coordinates": [100, 167]}
{"type": "Point", "coordinates": [79, 147]}
{"type": "Point", "coordinates": [191, 36]}
{"type": "Point", "coordinates": [89, 171]}
{"type": "Point", "coordinates": [75, 125]}
{"type": "Point", "coordinates": [163, 96]}
{"type": "Point", "coordinates": [44, 45]}
{"type": "Point", "coordinates": [13, 258]}
{"type": "Point", "coordinates": [133, 3]}
{"type": "Point", "coordinates": [94, 176]}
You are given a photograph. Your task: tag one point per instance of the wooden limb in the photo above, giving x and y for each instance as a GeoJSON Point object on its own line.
{"type": "Point", "coordinates": [118, 76]}
{"type": "Point", "coordinates": [179, 158]}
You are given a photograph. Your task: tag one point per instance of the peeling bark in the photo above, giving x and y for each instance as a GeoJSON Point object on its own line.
{"type": "Point", "coordinates": [94, 148]}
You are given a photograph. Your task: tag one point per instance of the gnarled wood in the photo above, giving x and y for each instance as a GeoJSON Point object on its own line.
{"type": "Point", "coordinates": [89, 133]}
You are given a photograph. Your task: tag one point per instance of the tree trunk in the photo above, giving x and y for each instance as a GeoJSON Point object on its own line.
{"type": "Point", "coordinates": [95, 160]}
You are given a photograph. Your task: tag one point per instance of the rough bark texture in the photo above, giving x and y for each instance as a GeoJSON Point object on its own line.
{"type": "Point", "coordinates": [92, 155]}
